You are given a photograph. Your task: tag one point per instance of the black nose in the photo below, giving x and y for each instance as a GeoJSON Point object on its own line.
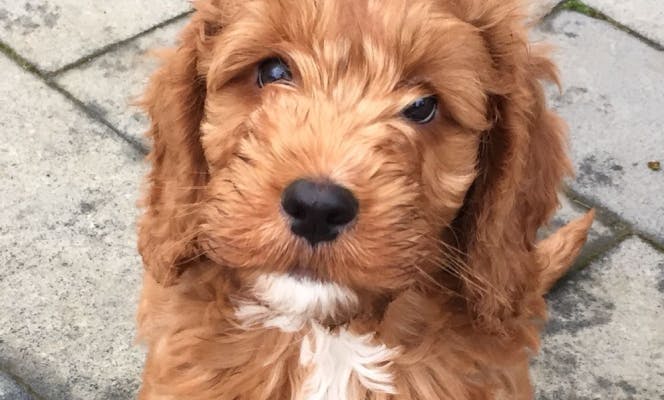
{"type": "Point", "coordinates": [318, 210]}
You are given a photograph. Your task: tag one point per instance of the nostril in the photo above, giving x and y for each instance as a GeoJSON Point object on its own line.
{"type": "Point", "coordinates": [294, 209]}
{"type": "Point", "coordinates": [296, 198]}
{"type": "Point", "coordinates": [341, 216]}
{"type": "Point", "coordinates": [298, 212]}
{"type": "Point", "coordinates": [337, 218]}
{"type": "Point", "coordinates": [341, 204]}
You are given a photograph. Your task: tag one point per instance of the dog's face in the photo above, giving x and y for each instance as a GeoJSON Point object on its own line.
{"type": "Point", "coordinates": [341, 138]}
{"type": "Point", "coordinates": [336, 142]}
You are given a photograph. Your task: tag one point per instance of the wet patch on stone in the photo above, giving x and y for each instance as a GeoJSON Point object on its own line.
{"type": "Point", "coordinates": [112, 66]}
{"type": "Point", "coordinates": [559, 361]}
{"type": "Point", "coordinates": [87, 207]}
{"type": "Point", "coordinates": [37, 16]}
{"type": "Point", "coordinates": [592, 170]}
{"type": "Point", "coordinates": [568, 28]}
{"type": "Point", "coordinates": [576, 308]}
{"type": "Point", "coordinates": [569, 96]}
{"type": "Point", "coordinates": [627, 388]}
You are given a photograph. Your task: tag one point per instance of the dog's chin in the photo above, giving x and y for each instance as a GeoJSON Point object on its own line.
{"type": "Point", "coordinates": [302, 273]}
{"type": "Point", "coordinates": [290, 301]}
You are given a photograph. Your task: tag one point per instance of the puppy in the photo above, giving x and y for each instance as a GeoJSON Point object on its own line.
{"type": "Point", "coordinates": [344, 200]}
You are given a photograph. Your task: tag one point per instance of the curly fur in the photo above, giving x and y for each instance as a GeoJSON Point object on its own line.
{"type": "Point", "coordinates": [437, 289]}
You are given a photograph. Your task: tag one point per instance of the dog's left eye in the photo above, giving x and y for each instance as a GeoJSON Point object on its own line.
{"type": "Point", "coordinates": [422, 110]}
{"type": "Point", "coordinates": [273, 70]}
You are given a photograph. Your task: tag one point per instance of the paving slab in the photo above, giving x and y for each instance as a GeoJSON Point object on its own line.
{"type": "Point", "coordinates": [70, 271]}
{"type": "Point", "coordinates": [12, 390]}
{"type": "Point", "coordinates": [612, 98]}
{"type": "Point", "coordinates": [54, 33]}
{"type": "Point", "coordinates": [604, 337]}
{"type": "Point", "coordinates": [643, 16]}
{"type": "Point", "coordinates": [112, 83]}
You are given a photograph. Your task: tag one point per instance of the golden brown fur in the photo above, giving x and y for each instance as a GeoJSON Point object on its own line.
{"type": "Point", "coordinates": [443, 254]}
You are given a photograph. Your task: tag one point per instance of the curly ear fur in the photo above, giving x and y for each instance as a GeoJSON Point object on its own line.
{"type": "Point", "coordinates": [175, 101]}
{"type": "Point", "coordinates": [522, 163]}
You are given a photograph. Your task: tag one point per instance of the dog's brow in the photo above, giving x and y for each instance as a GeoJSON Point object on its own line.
{"type": "Point", "coordinates": [351, 19]}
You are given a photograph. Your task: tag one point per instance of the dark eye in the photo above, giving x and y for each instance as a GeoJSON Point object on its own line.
{"type": "Point", "coordinates": [422, 110]}
{"type": "Point", "coordinates": [273, 70]}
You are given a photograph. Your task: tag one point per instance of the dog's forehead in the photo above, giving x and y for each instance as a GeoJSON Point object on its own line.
{"type": "Point", "coordinates": [364, 33]}
{"type": "Point", "coordinates": [378, 47]}
{"type": "Point", "coordinates": [385, 21]}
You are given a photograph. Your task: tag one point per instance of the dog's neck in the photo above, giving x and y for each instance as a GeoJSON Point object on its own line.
{"type": "Point", "coordinates": [339, 344]}
{"type": "Point", "coordinates": [290, 302]}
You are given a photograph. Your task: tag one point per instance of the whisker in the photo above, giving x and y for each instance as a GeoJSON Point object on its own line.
{"type": "Point", "coordinates": [433, 280]}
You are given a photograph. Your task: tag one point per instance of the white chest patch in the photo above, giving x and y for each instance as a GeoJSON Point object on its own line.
{"type": "Point", "coordinates": [288, 303]}
{"type": "Point", "coordinates": [334, 358]}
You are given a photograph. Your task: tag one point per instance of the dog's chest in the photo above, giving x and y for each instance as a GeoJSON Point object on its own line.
{"type": "Point", "coordinates": [336, 363]}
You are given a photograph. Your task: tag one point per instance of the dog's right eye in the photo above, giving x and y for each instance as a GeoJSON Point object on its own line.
{"type": "Point", "coordinates": [273, 70]}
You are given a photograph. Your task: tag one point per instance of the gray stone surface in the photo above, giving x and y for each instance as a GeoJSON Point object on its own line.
{"type": "Point", "coordinates": [70, 272]}
{"type": "Point", "coordinates": [612, 99]}
{"type": "Point", "coordinates": [124, 72]}
{"type": "Point", "coordinates": [54, 33]}
{"type": "Point", "coordinates": [604, 338]}
{"type": "Point", "coordinates": [11, 390]}
{"type": "Point", "coordinates": [643, 16]}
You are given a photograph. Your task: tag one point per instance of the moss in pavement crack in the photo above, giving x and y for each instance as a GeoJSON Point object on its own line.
{"type": "Point", "coordinates": [580, 7]}
{"type": "Point", "coordinates": [22, 62]}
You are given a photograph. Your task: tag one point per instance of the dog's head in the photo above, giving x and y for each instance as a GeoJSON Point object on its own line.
{"type": "Point", "coordinates": [370, 144]}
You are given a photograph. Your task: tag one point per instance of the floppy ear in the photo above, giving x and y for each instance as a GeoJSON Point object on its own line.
{"type": "Point", "coordinates": [175, 101]}
{"type": "Point", "coordinates": [522, 162]}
